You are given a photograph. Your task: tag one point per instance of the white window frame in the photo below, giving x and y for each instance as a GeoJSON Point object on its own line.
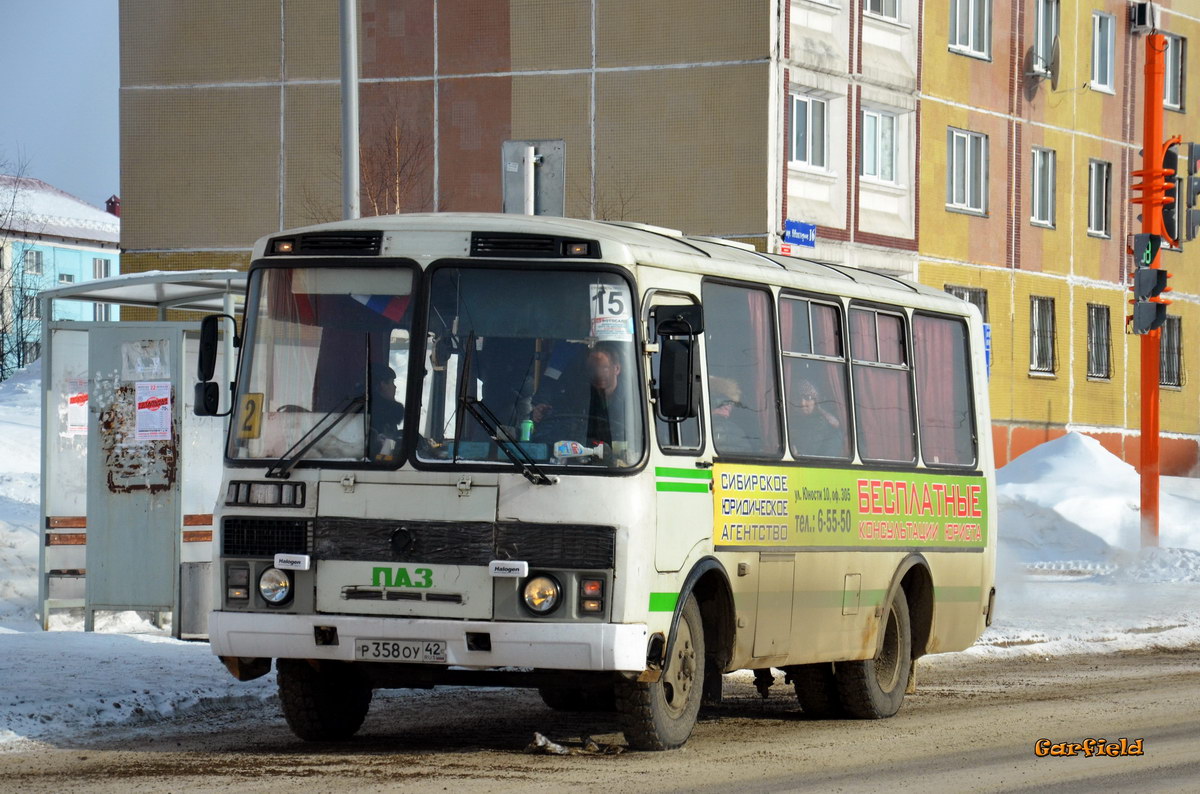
{"type": "Point", "coordinates": [66, 278]}
{"type": "Point", "coordinates": [33, 261]}
{"type": "Point", "coordinates": [971, 20]}
{"type": "Point", "coordinates": [810, 103]}
{"type": "Point", "coordinates": [1170, 353]}
{"type": "Point", "coordinates": [1103, 51]}
{"type": "Point", "coordinates": [873, 144]}
{"type": "Point", "coordinates": [1045, 29]}
{"type": "Point", "coordinates": [966, 171]}
{"type": "Point", "coordinates": [1042, 360]}
{"type": "Point", "coordinates": [101, 267]}
{"type": "Point", "coordinates": [887, 9]}
{"type": "Point", "coordinates": [1099, 198]}
{"type": "Point", "coordinates": [1044, 169]}
{"type": "Point", "coordinates": [1173, 72]}
{"type": "Point", "coordinates": [1099, 341]}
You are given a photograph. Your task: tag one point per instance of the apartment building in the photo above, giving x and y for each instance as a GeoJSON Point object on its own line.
{"type": "Point", "coordinates": [921, 139]}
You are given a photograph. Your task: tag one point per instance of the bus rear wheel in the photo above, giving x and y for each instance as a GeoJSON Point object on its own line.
{"type": "Point", "coordinates": [661, 715]}
{"type": "Point", "coordinates": [322, 705]}
{"type": "Point", "coordinates": [874, 688]}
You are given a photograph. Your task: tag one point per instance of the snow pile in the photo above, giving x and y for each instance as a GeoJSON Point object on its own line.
{"type": "Point", "coordinates": [1072, 499]}
{"type": "Point", "coordinates": [20, 439]}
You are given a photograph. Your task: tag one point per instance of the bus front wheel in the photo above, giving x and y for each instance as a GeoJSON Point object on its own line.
{"type": "Point", "coordinates": [322, 705]}
{"type": "Point", "coordinates": [874, 688]}
{"type": "Point", "coordinates": [661, 715]}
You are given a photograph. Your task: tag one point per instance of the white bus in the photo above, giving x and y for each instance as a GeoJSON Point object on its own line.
{"type": "Point", "coordinates": [606, 460]}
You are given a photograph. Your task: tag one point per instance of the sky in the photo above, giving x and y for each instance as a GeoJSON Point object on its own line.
{"type": "Point", "coordinates": [58, 94]}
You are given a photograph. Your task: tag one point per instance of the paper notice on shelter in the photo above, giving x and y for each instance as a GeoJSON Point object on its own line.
{"type": "Point", "coordinates": [77, 406]}
{"type": "Point", "coordinates": [146, 359]}
{"type": "Point", "coordinates": [153, 411]}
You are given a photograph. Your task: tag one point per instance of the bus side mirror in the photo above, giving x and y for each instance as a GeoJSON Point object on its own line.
{"type": "Point", "coordinates": [678, 327]}
{"type": "Point", "coordinates": [208, 394]}
{"type": "Point", "coordinates": [208, 399]}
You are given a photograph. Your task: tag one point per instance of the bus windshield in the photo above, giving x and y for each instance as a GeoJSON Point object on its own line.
{"type": "Point", "coordinates": [325, 365]}
{"type": "Point", "coordinates": [537, 363]}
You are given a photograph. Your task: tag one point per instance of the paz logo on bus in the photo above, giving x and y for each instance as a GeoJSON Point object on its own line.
{"type": "Point", "coordinates": [515, 568]}
{"type": "Point", "coordinates": [293, 562]}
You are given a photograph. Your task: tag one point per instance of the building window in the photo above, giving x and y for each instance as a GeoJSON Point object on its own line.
{"type": "Point", "coordinates": [976, 296]}
{"type": "Point", "coordinates": [966, 170]}
{"type": "Point", "coordinates": [33, 261]}
{"type": "Point", "coordinates": [971, 27]}
{"type": "Point", "coordinates": [101, 312]}
{"type": "Point", "coordinates": [1173, 63]}
{"type": "Point", "coordinates": [879, 145]}
{"type": "Point", "coordinates": [1041, 334]}
{"type": "Point", "coordinates": [101, 268]}
{"type": "Point", "coordinates": [66, 278]}
{"type": "Point", "coordinates": [1170, 347]}
{"type": "Point", "coordinates": [1103, 28]}
{"type": "Point", "coordinates": [1043, 187]}
{"type": "Point", "coordinates": [883, 8]}
{"type": "Point", "coordinates": [1099, 194]}
{"type": "Point", "coordinates": [808, 130]}
{"type": "Point", "coordinates": [1099, 363]}
{"type": "Point", "coordinates": [32, 310]}
{"type": "Point", "coordinates": [1045, 31]}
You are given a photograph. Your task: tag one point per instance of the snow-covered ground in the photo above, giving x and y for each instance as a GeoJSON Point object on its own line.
{"type": "Point", "coordinates": [1071, 579]}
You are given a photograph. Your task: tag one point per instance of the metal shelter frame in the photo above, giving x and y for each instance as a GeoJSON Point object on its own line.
{"type": "Point", "coordinates": [63, 539]}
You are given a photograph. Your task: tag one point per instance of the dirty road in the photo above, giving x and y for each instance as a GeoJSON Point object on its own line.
{"type": "Point", "coordinates": [974, 725]}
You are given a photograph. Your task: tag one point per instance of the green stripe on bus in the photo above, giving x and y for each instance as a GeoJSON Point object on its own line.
{"type": "Point", "coordinates": [663, 602]}
{"type": "Point", "coordinates": [958, 594]}
{"type": "Point", "coordinates": [682, 487]}
{"type": "Point", "coordinates": [683, 474]}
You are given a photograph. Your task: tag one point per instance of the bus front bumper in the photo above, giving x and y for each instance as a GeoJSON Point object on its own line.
{"type": "Point", "coordinates": [556, 646]}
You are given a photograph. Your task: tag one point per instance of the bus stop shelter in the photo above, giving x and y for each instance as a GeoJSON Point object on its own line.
{"type": "Point", "coordinates": [129, 473]}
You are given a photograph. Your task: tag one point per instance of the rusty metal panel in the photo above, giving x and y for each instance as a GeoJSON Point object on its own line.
{"type": "Point", "coordinates": [133, 518]}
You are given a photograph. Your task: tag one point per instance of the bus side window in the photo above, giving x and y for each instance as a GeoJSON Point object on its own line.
{"type": "Point", "coordinates": [739, 337]}
{"type": "Point", "coordinates": [883, 404]}
{"type": "Point", "coordinates": [814, 377]}
{"type": "Point", "coordinates": [947, 414]}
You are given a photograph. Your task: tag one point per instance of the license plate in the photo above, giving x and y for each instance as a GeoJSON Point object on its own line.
{"type": "Point", "coordinates": [400, 650]}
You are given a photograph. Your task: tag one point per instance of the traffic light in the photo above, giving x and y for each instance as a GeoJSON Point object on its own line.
{"type": "Point", "coordinates": [1149, 282]}
{"type": "Point", "coordinates": [1192, 217]}
{"type": "Point", "coordinates": [1170, 208]}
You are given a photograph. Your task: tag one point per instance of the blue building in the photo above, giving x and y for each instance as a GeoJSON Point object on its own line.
{"type": "Point", "coordinates": [49, 238]}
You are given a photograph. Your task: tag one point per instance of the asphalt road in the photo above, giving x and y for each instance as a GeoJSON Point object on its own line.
{"type": "Point", "coordinates": [974, 725]}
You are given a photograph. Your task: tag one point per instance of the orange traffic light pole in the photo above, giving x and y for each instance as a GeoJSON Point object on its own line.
{"type": "Point", "coordinates": [1151, 200]}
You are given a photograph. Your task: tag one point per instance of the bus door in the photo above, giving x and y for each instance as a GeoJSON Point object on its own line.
{"type": "Point", "coordinates": [683, 486]}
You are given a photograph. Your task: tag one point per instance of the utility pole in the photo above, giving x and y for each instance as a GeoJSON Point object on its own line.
{"type": "Point", "coordinates": [1149, 311]}
{"type": "Point", "coordinates": [350, 173]}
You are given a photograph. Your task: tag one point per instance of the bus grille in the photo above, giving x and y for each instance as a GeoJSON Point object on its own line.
{"type": "Point", "coordinates": [264, 537]}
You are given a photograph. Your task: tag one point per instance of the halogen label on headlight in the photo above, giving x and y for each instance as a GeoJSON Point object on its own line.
{"type": "Point", "coordinates": [515, 568]}
{"type": "Point", "coordinates": [293, 562]}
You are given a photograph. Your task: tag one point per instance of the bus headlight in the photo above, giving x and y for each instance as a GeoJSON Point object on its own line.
{"type": "Point", "coordinates": [542, 594]}
{"type": "Point", "coordinates": [275, 586]}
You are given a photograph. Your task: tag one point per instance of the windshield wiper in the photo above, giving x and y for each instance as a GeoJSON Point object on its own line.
{"type": "Point", "coordinates": [288, 460]}
{"type": "Point", "coordinates": [491, 425]}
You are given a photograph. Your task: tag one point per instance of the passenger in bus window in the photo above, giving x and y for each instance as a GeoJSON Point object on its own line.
{"type": "Point", "coordinates": [387, 415]}
{"type": "Point", "coordinates": [816, 431]}
{"type": "Point", "coordinates": [729, 416]}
